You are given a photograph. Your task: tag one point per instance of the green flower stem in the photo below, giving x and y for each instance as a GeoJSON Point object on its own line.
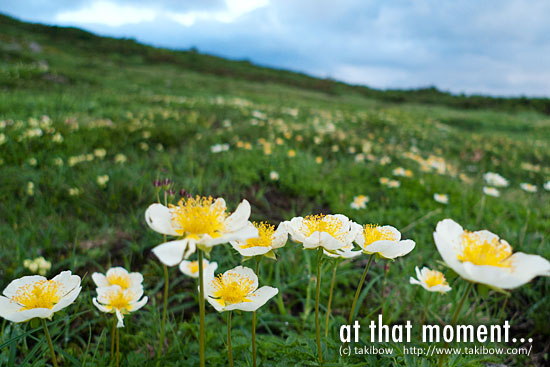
{"type": "Point", "coordinates": [330, 295]}
{"type": "Point", "coordinates": [354, 304]}
{"type": "Point", "coordinates": [164, 310]}
{"type": "Point", "coordinates": [426, 310]}
{"type": "Point", "coordinates": [481, 208]}
{"type": "Point", "coordinates": [318, 293]}
{"type": "Point", "coordinates": [455, 317]}
{"type": "Point", "coordinates": [229, 350]}
{"type": "Point", "coordinates": [47, 333]}
{"type": "Point", "coordinates": [117, 347]}
{"type": "Point", "coordinates": [258, 259]}
{"type": "Point", "coordinates": [113, 332]}
{"type": "Point", "coordinates": [201, 310]}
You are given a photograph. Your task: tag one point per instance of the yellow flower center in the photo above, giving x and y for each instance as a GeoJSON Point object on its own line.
{"type": "Point", "coordinates": [434, 277]}
{"type": "Point", "coordinates": [322, 223]}
{"type": "Point", "coordinates": [480, 251]}
{"type": "Point", "coordinates": [122, 280]}
{"type": "Point", "coordinates": [232, 288]}
{"type": "Point", "coordinates": [198, 216]}
{"type": "Point", "coordinates": [120, 300]}
{"type": "Point", "coordinates": [41, 294]}
{"type": "Point", "coordinates": [194, 266]}
{"type": "Point", "coordinates": [373, 233]}
{"type": "Point", "coordinates": [265, 236]}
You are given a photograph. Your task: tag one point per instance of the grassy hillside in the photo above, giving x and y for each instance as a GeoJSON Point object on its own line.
{"type": "Point", "coordinates": [75, 107]}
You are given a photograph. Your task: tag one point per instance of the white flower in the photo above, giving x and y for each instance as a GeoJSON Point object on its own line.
{"type": "Point", "coordinates": [100, 153]}
{"type": "Point", "coordinates": [359, 202]}
{"type": "Point", "coordinates": [74, 191]}
{"type": "Point", "coordinates": [274, 176]}
{"type": "Point", "coordinates": [191, 268]}
{"type": "Point", "coordinates": [218, 148]}
{"type": "Point", "coordinates": [3, 138]}
{"type": "Point", "coordinates": [58, 161]}
{"type": "Point", "coordinates": [102, 180]}
{"type": "Point", "coordinates": [399, 171]}
{"type": "Point", "coordinates": [482, 257]}
{"type": "Point", "coordinates": [268, 239]}
{"type": "Point", "coordinates": [39, 265]}
{"type": "Point", "coordinates": [57, 138]}
{"type": "Point", "coordinates": [491, 191]}
{"type": "Point", "coordinates": [384, 241]}
{"type": "Point", "coordinates": [430, 280]}
{"type": "Point", "coordinates": [441, 198]}
{"type": "Point", "coordinates": [528, 187]}
{"type": "Point", "coordinates": [494, 179]}
{"type": "Point", "coordinates": [394, 184]}
{"type": "Point", "coordinates": [120, 158]}
{"type": "Point", "coordinates": [32, 162]}
{"type": "Point", "coordinates": [30, 188]}
{"type": "Point", "coordinates": [118, 276]}
{"type": "Point", "coordinates": [546, 186]}
{"type": "Point", "coordinates": [332, 232]}
{"type": "Point", "coordinates": [114, 299]}
{"type": "Point", "coordinates": [237, 289]}
{"type": "Point", "coordinates": [35, 296]}
{"type": "Point", "coordinates": [199, 221]}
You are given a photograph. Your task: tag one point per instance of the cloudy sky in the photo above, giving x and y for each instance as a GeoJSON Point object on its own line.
{"type": "Point", "coordinates": [497, 47]}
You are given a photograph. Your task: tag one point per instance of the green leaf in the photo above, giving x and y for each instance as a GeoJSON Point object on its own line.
{"type": "Point", "coordinates": [482, 290]}
{"type": "Point", "coordinates": [270, 255]}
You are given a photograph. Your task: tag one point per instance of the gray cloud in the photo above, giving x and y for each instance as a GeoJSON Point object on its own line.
{"type": "Point", "coordinates": [491, 47]}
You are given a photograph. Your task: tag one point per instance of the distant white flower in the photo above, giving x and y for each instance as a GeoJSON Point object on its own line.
{"type": "Point", "coordinates": [191, 268]}
{"type": "Point", "coordinates": [30, 188]}
{"type": "Point", "coordinates": [57, 138]}
{"type": "Point", "coordinates": [100, 153]}
{"type": "Point", "coordinates": [441, 198]}
{"type": "Point", "coordinates": [359, 202]}
{"type": "Point", "coordinates": [218, 148]}
{"type": "Point", "coordinates": [496, 180]}
{"type": "Point", "coordinates": [74, 191]}
{"type": "Point", "coordinates": [430, 280]}
{"type": "Point", "coordinates": [399, 171]}
{"type": "Point", "coordinates": [120, 158]}
{"type": "Point", "coordinates": [39, 265]}
{"type": "Point", "coordinates": [392, 184]}
{"type": "Point", "coordinates": [274, 176]}
{"type": "Point", "coordinates": [144, 146]}
{"type": "Point", "coordinates": [58, 161]}
{"type": "Point", "coordinates": [32, 162]}
{"type": "Point", "coordinates": [528, 187]}
{"type": "Point", "coordinates": [547, 186]}
{"type": "Point", "coordinates": [491, 191]}
{"type": "Point", "coordinates": [102, 180]}
{"type": "Point", "coordinates": [3, 139]}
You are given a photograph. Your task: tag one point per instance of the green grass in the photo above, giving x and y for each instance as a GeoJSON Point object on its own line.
{"type": "Point", "coordinates": [164, 116]}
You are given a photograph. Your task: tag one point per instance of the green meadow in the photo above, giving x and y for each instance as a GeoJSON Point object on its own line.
{"type": "Point", "coordinates": [87, 124]}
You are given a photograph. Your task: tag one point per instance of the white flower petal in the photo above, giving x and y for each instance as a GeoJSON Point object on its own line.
{"type": "Point", "coordinates": [280, 236]}
{"type": "Point", "coordinates": [294, 228]}
{"type": "Point", "coordinates": [120, 319]}
{"type": "Point", "coordinates": [67, 300]}
{"type": "Point", "coordinates": [101, 307]}
{"type": "Point", "coordinates": [447, 237]}
{"type": "Point", "coordinates": [22, 316]}
{"type": "Point", "coordinates": [100, 280]}
{"type": "Point", "coordinates": [171, 253]}
{"type": "Point", "coordinates": [8, 308]}
{"type": "Point", "coordinates": [239, 218]}
{"type": "Point", "coordinates": [159, 219]}
{"type": "Point", "coordinates": [139, 304]}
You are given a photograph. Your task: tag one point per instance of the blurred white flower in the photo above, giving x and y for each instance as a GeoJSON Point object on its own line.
{"type": "Point", "coordinates": [494, 179]}
{"type": "Point", "coordinates": [30, 188]}
{"type": "Point", "coordinates": [528, 187]}
{"type": "Point", "coordinates": [100, 153]}
{"type": "Point", "coordinates": [218, 148]}
{"type": "Point", "coordinates": [441, 198]}
{"type": "Point", "coordinates": [491, 191]}
{"type": "Point", "coordinates": [120, 158]}
{"type": "Point", "coordinates": [102, 180]}
{"type": "Point", "coordinates": [274, 176]}
{"type": "Point", "coordinates": [359, 202]}
{"type": "Point", "coordinates": [547, 186]}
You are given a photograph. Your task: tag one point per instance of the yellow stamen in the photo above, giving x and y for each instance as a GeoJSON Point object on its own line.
{"type": "Point", "coordinates": [480, 251]}
{"type": "Point", "coordinates": [194, 266]}
{"type": "Point", "coordinates": [373, 233]}
{"type": "Point", "coordinates": [120, 279]}
{"type": "Point", "coordinates": [232, 288]}
{"type": "Point", "coordinates": [193, 217]}
{"type": "Point", "coordinates": [41, 294]}
{"type": "Point", "coordinates": [120, 300]}
{"type": "Point", "coordinates": [434, 277]}
{"type": "Point", "coordinates": [322, 223]}
{"type": "Point", "coordinates": [264, 238]}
